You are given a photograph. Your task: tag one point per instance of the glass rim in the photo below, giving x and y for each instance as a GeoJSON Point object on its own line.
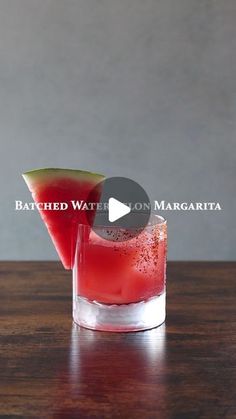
{"type": "Point", "coordinates": [160, 224]}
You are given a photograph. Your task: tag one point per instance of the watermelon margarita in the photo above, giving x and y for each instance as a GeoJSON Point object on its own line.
{"type": "Point", "coordinates": [117, 285]}
{"type": "Point", "coordinates": [113, 278]}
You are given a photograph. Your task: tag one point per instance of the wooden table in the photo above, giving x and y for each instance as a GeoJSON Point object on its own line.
{"type": "Point", "coordinates": [50, 368]}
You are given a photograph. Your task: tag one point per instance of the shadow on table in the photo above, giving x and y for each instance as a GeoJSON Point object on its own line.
{"type": "Point", "coordinates": [112, 374]}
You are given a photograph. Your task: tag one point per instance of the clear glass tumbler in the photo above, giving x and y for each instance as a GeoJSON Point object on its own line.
{"type": "Point", "coordinates": [120, 286]}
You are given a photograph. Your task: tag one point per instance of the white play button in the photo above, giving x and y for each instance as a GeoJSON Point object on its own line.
{"type": "Point", "coordinates": [116, 210]}
{"type": "Point", "coordinates": [123, 211]}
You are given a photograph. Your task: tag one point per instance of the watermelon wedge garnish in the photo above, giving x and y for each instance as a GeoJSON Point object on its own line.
{"type": "Point", "coordinates": [63, 185]}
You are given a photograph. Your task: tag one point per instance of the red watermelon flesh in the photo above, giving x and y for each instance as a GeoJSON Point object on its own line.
{"type": "Point", "coordinates": [63, 185]}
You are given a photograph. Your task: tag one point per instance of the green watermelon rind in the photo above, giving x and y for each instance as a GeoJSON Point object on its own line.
{"type": "Point", "coordinates": [42, 175]}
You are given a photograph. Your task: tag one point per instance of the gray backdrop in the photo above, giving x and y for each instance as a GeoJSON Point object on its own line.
{"type": "Point", "coordinates": [143, 89]}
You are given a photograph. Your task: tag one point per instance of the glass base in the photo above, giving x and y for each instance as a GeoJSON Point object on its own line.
{"type": "Point", "coordinates": [120, 318]}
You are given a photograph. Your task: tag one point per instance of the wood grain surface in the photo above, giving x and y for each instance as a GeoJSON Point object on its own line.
{"type": "Point", "coordinates": [50, 368]}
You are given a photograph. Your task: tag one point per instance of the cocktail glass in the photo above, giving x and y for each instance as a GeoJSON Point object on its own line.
{"type": "Point", "coordinates": [118, 285]}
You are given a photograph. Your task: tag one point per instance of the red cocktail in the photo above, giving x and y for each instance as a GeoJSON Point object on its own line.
{"type": "Point", "coordinates": [120, 285]}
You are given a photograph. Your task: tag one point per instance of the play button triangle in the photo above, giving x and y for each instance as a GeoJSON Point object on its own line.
{"type": "Point", "coordinates": [116, 210]}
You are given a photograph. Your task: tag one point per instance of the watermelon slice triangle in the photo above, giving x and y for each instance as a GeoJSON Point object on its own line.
{"type": "Point", "coordinates": [63, 185]}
